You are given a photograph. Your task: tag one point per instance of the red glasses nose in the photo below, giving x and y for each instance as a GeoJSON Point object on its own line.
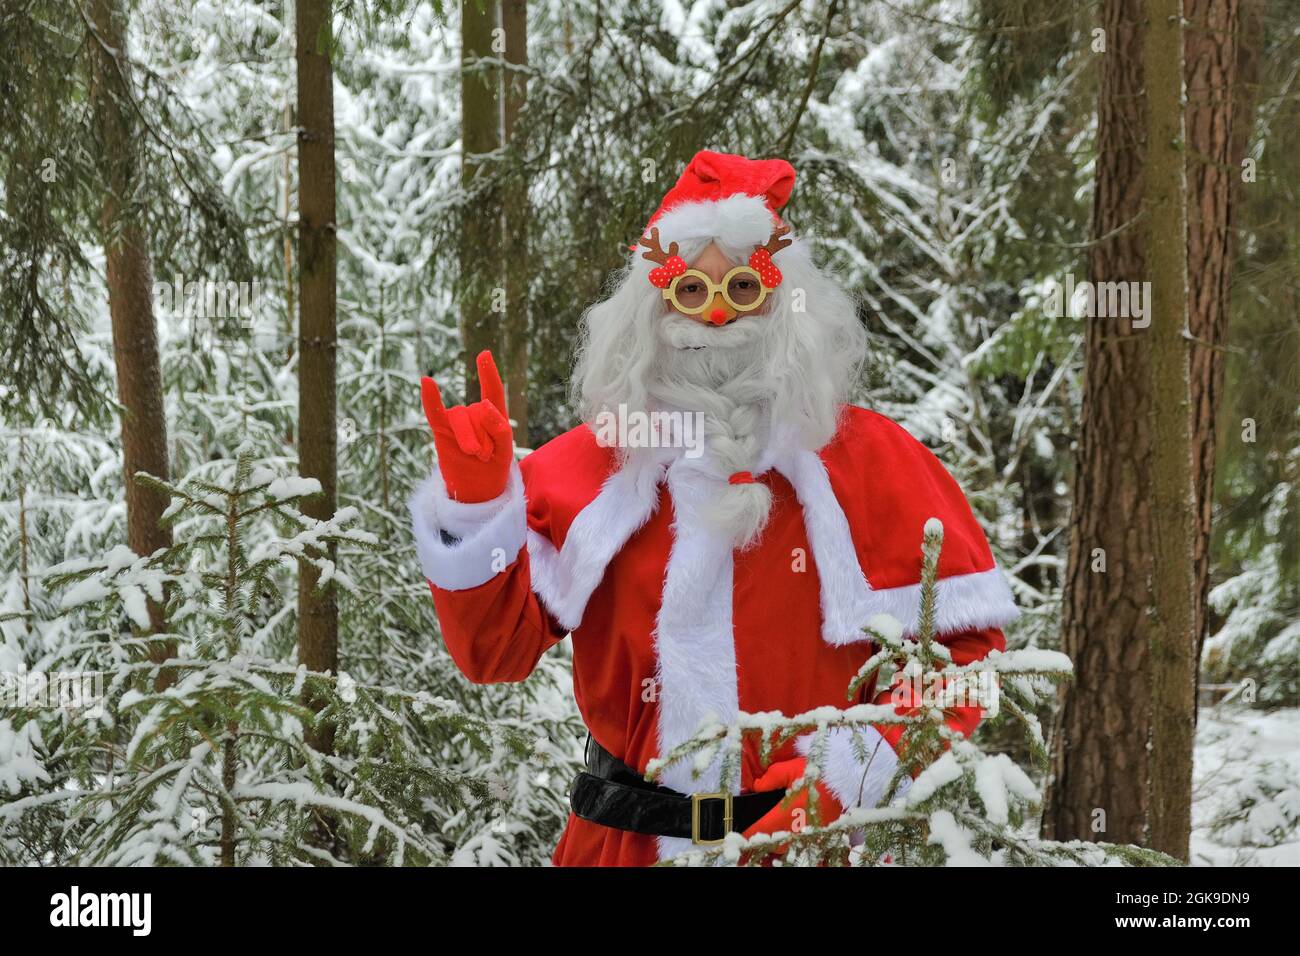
{"type": "Point", "coordinates": [718, 316]}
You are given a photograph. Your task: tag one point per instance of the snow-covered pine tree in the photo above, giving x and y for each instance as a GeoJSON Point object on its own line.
{"type": "Point", "coordinates": [964, 806]}
{"type": "Point", "coordinates": [214, 768]}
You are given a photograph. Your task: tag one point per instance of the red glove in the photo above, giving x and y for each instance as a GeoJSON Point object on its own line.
{"type": "Point", "coordinates": [474, 443]}
{"type": "Point", "coordinates": [793, 816]}
{"type": "Point", "coordinates": [962, 719]}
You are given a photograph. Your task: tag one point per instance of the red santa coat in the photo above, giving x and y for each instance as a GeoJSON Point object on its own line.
{"type": "Point", "coordinates": [671, 626]}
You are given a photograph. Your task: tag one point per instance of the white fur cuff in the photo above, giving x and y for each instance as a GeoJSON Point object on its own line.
{"type": "Point", "coordinates": [489, 534]}
{"type": "Point", "coordinates": [856, 781]}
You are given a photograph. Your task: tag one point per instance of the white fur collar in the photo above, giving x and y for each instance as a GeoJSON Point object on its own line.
{"type": "Point", "coordinates": [564, 579]}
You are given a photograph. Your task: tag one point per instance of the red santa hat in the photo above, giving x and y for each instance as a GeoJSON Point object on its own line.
{"type": "Point", "coordinates": [725, 197]}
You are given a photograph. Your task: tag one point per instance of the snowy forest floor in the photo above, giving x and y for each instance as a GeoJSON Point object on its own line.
{"type": "Point", "coordinates": [1245, 787]}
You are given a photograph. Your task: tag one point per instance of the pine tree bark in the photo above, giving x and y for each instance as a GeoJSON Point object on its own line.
{"type": "Point", "coordinates": [1173, 509]}
{"type": "Point", "coordinates": [318, 646]}
{"type": "Point", "coordinates": [514, 21]}
{"type": "Point", "coordinates": [480, 224]}
{"type": "Point", "coordinates": [129, 277]}
{"type": "Point", "coordinates": [1099, 785]}
{"type": "Point", "coordinates": [1215, 148]}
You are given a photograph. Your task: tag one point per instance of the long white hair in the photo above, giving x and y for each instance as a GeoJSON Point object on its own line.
{"type": "Point", "coordinates": [790, 367]}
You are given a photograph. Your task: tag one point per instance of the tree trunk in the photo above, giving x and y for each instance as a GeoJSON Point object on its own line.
{"type": "Point", "coordinates": [514, 20]}
{"type": "Point", "coordinates": [130, 304]}
{"type": "Point", "coordinates": [318, 646]}
{"type": "Point", "coordinates": [1215, 148]}
{"type": "Point", "coordinates": [1099, 789]}
{"type": "Point", "coordinates": [1222, 68]}
{"type": "Point", "coordinates": [480, 227]}
{"type": "Point", "coordinates": [1122, 698]}
{"type": "Point", "coordinates": [1173, 503]}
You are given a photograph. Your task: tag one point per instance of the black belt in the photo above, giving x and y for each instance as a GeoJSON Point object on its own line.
{"type": "Point", "coordinates": [614, 795]}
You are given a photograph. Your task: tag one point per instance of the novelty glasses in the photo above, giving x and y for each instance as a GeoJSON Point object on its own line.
{"type": "Point", "coordinates": [691, 291]}
{"type": "Point", "coordinates": [742, 288]}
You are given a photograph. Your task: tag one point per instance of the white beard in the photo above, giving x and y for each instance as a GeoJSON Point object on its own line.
{"type": "Point", "coordinates": [719, 372]}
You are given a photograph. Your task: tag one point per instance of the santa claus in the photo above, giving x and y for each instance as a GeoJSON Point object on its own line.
{"type": "Point", "coordinates": [720, 549]}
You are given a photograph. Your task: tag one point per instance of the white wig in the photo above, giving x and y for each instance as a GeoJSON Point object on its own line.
{"type": "Point", "coordinates": [792, 366]}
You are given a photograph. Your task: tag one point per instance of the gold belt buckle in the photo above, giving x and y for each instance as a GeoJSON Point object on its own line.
{"type": "Point", "coordinates": [727, 818]}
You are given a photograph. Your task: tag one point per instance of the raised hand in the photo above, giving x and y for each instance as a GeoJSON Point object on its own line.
{"type": "Point", "coordinates": [474, 441]}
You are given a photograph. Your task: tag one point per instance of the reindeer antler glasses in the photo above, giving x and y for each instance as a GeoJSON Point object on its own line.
{"type": "Point", "coordinates": [691, 291]}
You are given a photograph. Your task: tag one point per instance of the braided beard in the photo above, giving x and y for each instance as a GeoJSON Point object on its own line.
{"type": "Point", "coordinates": [720, 372]}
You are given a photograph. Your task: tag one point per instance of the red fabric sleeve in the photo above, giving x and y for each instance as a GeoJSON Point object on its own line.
{"type": "Point", "coordinates": [498, 631]}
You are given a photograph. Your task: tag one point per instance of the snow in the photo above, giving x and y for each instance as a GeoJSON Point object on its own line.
{"type": "Point", "coordinates": [119, 558]}
{"type": "Point", "coordinates": [955, 840]}
{"type": "Point", "coordinates": [87, 591]}
{"type": "Point", "coordinates": [888, 627]}
{"type": "Point", "coordinates": [19, 764]}
{"type": "Point", "coordinates": [133, 602]}
{"type": "Point", "coordinates": [1028, 659]}
{"type": "Point", "coordinates": [288, 487]}
{"type": "Point", "coordinates": [1246, 787]}
{"type": "Point", "coordinates": [939, 774]}
{"type": "Point", "coordinates": [997, 777]}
